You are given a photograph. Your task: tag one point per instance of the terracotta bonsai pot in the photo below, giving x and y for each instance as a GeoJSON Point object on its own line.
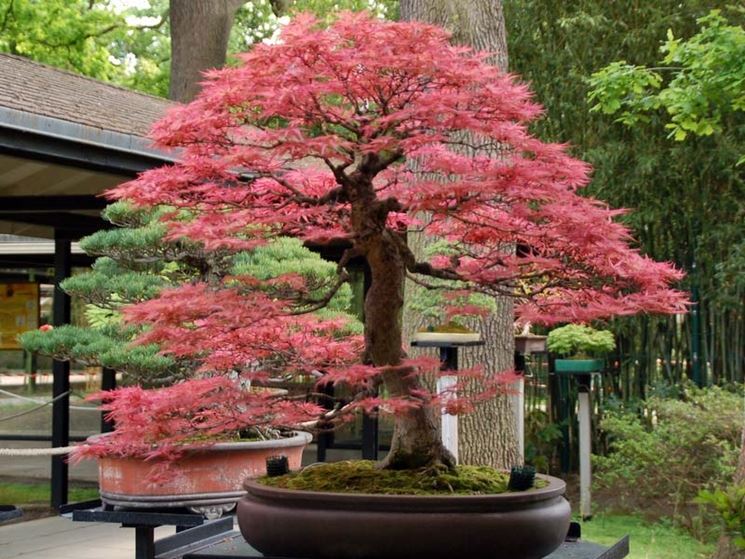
{"type": "Point", "coordinates": [207, 480]}
{"type": "Point", "coordinates": [315, 525]}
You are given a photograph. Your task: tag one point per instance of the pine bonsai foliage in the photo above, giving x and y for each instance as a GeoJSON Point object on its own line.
{"type": "Point", "coordinates": [135, 263]}
{"type": "Point", "coordinates": [347, 135]}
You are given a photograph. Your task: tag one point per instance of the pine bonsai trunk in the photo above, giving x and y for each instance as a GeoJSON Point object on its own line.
{"type": "Point", "coordinates": [416, 440]}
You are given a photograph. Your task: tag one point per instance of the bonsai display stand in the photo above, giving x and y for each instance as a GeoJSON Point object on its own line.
{"type": "Point", "coordinates": [234, 546]}
{"type": "Point", "coordinates": [193, 531]}
{"type": "Point", "coordinates": [198, 538]}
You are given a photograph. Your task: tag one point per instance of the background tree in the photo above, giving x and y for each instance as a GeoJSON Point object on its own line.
{"type": "Point", "coordinates": [201, 31]}
{"type": "Point", "coordinates": [199, 40]}
{"type": "Point", "coordinates": [480, 25]}
{"type": "Point", "coordinates": [687, 196]}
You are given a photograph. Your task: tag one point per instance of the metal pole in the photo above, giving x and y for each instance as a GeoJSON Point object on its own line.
{"type": "Point", "coordinates": [108, 382]}
{"type": "Point", "coordinates": [695, 330]}
{"type": "Point", "coordinates": [60, 376]}
{"type": "Point", "coordinates": [369, 437]}
{"type": "Point", "coordinates": [585, 471]}
{"type": "Point", "coordinates": [144, 542]}
{"type": "Point", "coordinates": [449, 362]}
{"type": "Point", "coordinates": [518, 404]}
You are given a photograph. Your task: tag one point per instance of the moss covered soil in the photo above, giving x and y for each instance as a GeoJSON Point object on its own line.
{"type": "Point", "coordinates": [362, 476]}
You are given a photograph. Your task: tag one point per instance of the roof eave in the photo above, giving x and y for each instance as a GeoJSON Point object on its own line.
{"type": "Point", "coordinates": [51, 139]}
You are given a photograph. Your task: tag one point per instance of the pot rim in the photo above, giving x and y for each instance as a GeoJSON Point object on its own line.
{"type": "Point", "coordinates": [556, 488]}
{"type": "Point", "coordinates": [298, 438]}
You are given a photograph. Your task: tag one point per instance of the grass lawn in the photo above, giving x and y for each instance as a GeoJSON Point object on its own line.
{"type": "Point", "coordinates": [39, 493]}
{"type": "Point", "coordinates": [647, 540]}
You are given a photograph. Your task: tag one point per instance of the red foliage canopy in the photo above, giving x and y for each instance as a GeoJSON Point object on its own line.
{"type": "Point", "coordinates": [350, 134]}
{"type": "Point", "coordinates": [274, 146]}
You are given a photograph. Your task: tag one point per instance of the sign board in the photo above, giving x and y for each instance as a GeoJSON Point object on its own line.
{"type": "Point", "coordinates": [19, 312]}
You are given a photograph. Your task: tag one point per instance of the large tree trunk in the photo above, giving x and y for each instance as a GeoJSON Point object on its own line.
{"type": "Point", "coordinates": [487, 436]}
{"type": "Point", "coordinates": [199, 41]}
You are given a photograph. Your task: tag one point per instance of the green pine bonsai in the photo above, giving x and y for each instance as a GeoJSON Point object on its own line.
{"type": "Point", "coordinates": [136, 261]}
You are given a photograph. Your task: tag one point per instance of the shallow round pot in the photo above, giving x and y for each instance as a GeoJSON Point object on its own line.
{"type": "Point", "coordinates": [208, 480]}
{"type": "Point", "coordinates": [315, 525]}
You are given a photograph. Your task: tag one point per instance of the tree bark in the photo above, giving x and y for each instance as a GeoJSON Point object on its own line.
{"type": "Point", "coordinates": [199, 41]}
{"type": "Point", "coordinates": [416, 442]}
{"type": "Point", "coordinates": [487, 436]}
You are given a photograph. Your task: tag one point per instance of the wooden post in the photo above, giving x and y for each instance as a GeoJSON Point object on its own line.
{"type": "Point", "coordinates": [518, 403]}
{"type": "Point", "coordinates": [585, 449]}
{"type": "Point", "coordinates": [60, 376]}
{"type": "Point", "coordinates": [108, 382]}
{"type": "Point", "coordinates": [449, 360]}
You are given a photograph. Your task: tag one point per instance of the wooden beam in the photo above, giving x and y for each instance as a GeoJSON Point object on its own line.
{"type": "Point", "coordinates": [54, 203]}
{"type": "Point", "coordinates": [60, 375]}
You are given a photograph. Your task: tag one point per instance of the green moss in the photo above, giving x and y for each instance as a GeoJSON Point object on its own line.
{"type": "Point", "coordinates": [361, 476]}
{"type": "Point", "coordinates": [449, 328]}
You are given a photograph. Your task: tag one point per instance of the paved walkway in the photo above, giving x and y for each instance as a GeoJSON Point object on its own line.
{"type": "Point", "coordinates": [60, 538]}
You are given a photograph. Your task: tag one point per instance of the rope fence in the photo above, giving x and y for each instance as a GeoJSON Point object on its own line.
{"type": "Point", "coordinates": [36, 451]}
{"type": "Point", "coordinates": [46, 403]}
{"type": "Point", "coordinates": [41, 405]}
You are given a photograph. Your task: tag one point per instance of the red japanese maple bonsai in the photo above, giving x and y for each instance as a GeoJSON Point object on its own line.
{"type": "Point", "coordinates": [351, 135]}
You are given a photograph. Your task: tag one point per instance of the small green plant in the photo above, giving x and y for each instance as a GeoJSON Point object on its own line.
{"type": "Point", "coordinates": [730, 505]}
{"type": "Point", "coordinates": [578, 340]}
{"type": "Point", "coordinates": [542, 438]}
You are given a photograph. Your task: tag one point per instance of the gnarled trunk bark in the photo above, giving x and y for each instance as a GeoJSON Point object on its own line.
{"type": "Point", "coordinates": [416, 441]}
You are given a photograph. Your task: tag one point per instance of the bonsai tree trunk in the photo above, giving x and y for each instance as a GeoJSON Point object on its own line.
{"type": "Point", "coordinates": [487, 436]}
{"type": "Point", "coordinates": [416, 441]}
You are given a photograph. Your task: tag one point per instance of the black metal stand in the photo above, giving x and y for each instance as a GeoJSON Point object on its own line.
{"type": "Point", "coordinates": [235, 547]}
{"type": "Point", "coordinates": [193, 531]}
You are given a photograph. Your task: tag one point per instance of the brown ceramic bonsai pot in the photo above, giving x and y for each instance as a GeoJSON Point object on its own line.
{"type": "Point", "coordinates": [315, 525]}
{"type": "Point", "coordinates": [207, 480]}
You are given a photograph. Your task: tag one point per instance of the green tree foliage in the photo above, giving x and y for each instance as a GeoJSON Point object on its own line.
{"type": "Point", "coordinates": [131, 45]}
{"type": "Point", "coordinates": [70, 34]}
{"type": "Point", "coordinates": [705, 89]}
{"type": "Point", "coordinates": [730, 505]}
{"type": "Point", "coordinates": [687, 197]}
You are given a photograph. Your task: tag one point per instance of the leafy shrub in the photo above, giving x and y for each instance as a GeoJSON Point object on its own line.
{"type": "Point", "coordinates": [578, 339]}
{"type": "Point", "coordinates": [663, 454]}
{"type": "Point", "coordinates": [541, 440]}
{"type": "Point", "coordinates": [730, 505]}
